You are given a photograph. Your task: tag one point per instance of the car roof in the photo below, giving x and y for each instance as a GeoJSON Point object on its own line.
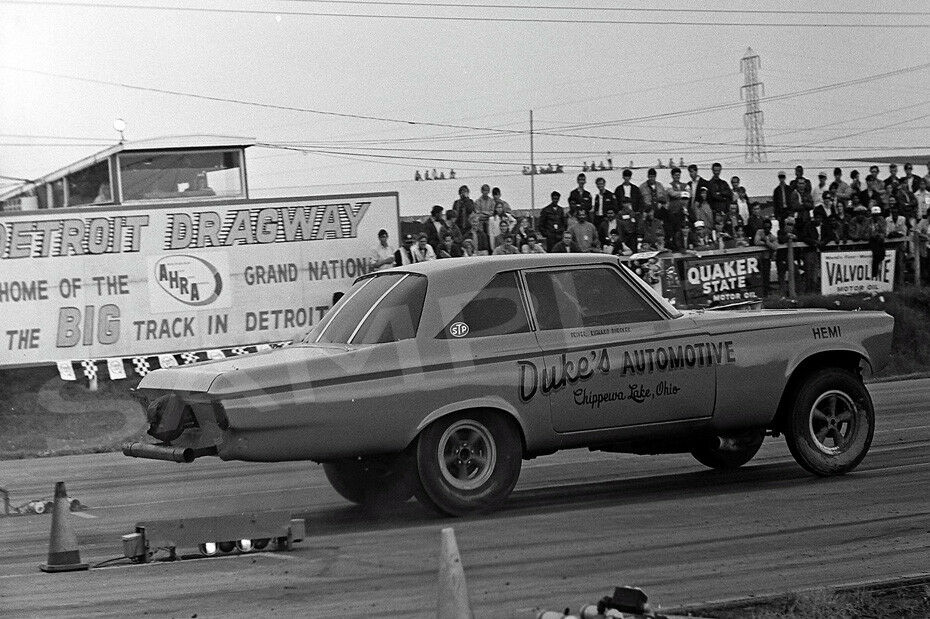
{"type": "Point", "coordinates": [478, 266]}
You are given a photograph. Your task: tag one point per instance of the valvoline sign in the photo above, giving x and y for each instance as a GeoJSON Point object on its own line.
{"type": "Point", "coordinates": [184, 281]}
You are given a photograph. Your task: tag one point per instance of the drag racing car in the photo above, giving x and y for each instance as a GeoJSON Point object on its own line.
{"type": "Point", "coordinates": [438, 379]}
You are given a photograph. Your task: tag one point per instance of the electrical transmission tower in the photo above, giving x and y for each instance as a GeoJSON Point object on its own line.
{"type": "Point", "coordinates": [751, 91]}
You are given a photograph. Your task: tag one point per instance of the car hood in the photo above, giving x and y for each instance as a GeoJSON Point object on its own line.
{"type": "Point", "coordinates": [199, 377]}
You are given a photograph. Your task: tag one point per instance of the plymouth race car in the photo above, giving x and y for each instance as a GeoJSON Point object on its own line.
{"type": "Point", "coordinates": [438, 379]}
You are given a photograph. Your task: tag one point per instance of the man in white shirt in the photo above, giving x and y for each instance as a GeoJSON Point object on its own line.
{"type": "Point", "coordinates": [383, 254]}
{"type": "Point", "coordinates": [818, 189]}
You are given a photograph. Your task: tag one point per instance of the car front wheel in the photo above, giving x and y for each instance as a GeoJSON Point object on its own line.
{"type": "Point", "coordinates": [830, 427]}
{"type": "Point", "coordinates": [378, 481]}
{"type": "Point", "coordinates": [468, 463]}
{"type": "Point", "coordinates": [729, 452]}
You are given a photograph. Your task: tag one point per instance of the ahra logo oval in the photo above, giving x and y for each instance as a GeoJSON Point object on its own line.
{"type": "Point", "coordinates": [189, 279]}
{"type": "Point", "coordinates": [458, 329]}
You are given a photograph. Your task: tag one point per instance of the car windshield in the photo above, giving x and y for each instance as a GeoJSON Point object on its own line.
{"type": "Point", "coordinates": [376, 310]}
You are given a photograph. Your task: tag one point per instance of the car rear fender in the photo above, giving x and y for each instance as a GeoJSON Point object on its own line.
{"type": "Point", "coordinates": [491, 404]}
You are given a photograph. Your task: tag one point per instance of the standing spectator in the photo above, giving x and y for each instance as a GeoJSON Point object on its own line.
{"type": "Point", "coordinates": [694, 186]}
{"type": "Point", "coordinates": [584, 233]}
{"type": "Point", "coordinates": [679, 199]}
{"type": "Point", "coordinates": [877, 231]}
{"type": "Point", "coordinates": [654, 195]}
{"type": "Point", "coordinates": [464, 206]}
{"type": "Point", "coordinates": [780, 199]}
{"type": "Point", "coordinates": [786, 232]}
{"type": "Point", "coordinates": [923, 244]}
{"type": "Point", "coordinates": [754, 223]}
{"type": "Point", "coordinates": [523, 230]}
{"type": "Point", "coordinates": [449, 248]}
{"type": "Point", "coordinates": [608, 224]}
{"type": "Point", "coordinates": [479, 238]}
{"type": "Point", "coordinates": [629, 228]}
{"type": "Point", "coordinates": [815, 237]}
{"type": "Point", "coordinates": [403, 254]}
{"type": "Point", "coordinates": [485, 203]}
{"type": "Point", "coordinates": [740, 198]}
{"type": "Point", "coordinates": [801, 184]}
{"type": "Point", "coordinates": [855, 183]}
{"type": "Point", "coordinates": [506, 246]}
{"type": "Point", "coordinates": [764, 238]}
{"type": "Point", "coordinates": [452, 225]}
{"type": "Point", "coordinates": [839, 187]}
{"type": "Point", "coordinates": [839, 224]}
{"type": "Point", "coordinates": [892, 175]}
{"type": "Point", "coordinates": [895, 225]}
{"type": "Point", "coordinates": [422, 251]}
{"type": "Point", "coordinates": [909, 178]}
{"type": "Point", "coordinates": [580, 198]}
{"type": "Point", "coordinates": [922, 195]}
{"type": "Point", "coordinates": [719, 193]}
{"type": "Point", "coordinates": [566, 245]}
{"type": "Point", "coordinates": [603, 200]}
{"type": "Point", "coordinates": [629, 193]}
{"type": "Point", "coordinates": [532, 245]}
{"type": "Point", "coordinates": [859, 225]}
{"type": "Point", "coordinates": [496, 195]}
{"type": "Point", "coordinates": [435, 228]}
{"type": "Point", "coordinates": [817, 192]}
{"type": "Point", "coordinates": [702, 210]}
{"type": "Point", "coordinates": [733, 220]}
{"type": "Point", "coordinates": [552, 221]}
{"type": "Point", "coordinates": [907, 201]}
{"type": "Point", "coordinates": [874, 192]}
{"type": "Point", "coordinates": [383, 254]}
{"type": "Point", "coordinates": [498, 223]}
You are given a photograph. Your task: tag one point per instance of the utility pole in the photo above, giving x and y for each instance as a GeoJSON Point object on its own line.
{"type": "Point", "coordinates": [532, 173]}
{"type": "Point", "coordinates": [751, 91]}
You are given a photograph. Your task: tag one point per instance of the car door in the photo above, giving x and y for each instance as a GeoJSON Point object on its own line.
{"type": "Point", "coordinates": [613, 356]}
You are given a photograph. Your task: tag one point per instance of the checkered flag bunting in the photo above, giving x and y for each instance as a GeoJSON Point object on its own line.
{"type": "Point", "coordinates": [189, 357]}
{"type": "Point", "coordinates": [90, 369]}
{"type": "Point", "coordinates": [141, 365]}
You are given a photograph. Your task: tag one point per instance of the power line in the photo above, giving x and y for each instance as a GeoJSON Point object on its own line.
{"type": "Point", "coordinates": [472, 19]}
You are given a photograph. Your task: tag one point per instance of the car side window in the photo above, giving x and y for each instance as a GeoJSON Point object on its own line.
{"type": "Point", "coordinates": [496, 310]}
{"type": "Point", "coordinates": [586, 297]}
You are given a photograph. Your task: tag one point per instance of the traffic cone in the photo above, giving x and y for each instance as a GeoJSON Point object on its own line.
{"type": "Point", "coordinates": [63, 553]}
{"type": "Point", "coordinates": [453, 593]}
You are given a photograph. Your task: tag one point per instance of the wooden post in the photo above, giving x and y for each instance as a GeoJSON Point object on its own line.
{"type": "Point", "coordinates": [791, 290]}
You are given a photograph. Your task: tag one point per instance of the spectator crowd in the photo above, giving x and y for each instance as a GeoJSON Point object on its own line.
{"type": "Point", "coordinates": [691, 213]}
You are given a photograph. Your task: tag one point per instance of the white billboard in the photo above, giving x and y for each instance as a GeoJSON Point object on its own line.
{"type": "Point", "coordinates": [850, 272]}
{"type": "Point", "coordinates": [92, 283]}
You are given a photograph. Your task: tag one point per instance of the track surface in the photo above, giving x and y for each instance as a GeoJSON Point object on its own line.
{"type": "Point", "coordinates": [577, 524]}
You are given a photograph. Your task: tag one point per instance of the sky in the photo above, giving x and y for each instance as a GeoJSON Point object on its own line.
{"type": "Point", "coordinates": [471, 69]}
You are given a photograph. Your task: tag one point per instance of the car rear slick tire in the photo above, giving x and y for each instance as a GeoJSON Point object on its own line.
{"type": "Point", "coordinates": [468, 463]}
{"type": "Point", "coordinates": [379, 481]}
{"type": "Point", "coordinates": [729, 452]}
{"type": "Point", "coordinates": [830, 427]}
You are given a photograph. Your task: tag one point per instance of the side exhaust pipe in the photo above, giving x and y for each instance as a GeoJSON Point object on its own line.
{"type": "Point", "coordinates": [166, 452]}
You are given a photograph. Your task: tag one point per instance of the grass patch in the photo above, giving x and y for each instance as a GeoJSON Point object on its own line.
{"type": "Point", "coordinates": [905, 602]}
{"type": "Point", "coordinates": [910, 350]}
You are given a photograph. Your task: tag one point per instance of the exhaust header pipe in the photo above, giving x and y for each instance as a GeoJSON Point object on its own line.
{"type": "Point", "coordinates": [166, 452]}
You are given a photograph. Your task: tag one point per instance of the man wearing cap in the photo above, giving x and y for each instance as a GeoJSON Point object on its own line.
{"type": "Point", "coordinates": [552, 221]}
{"type": "Point", "coordinates": [580, 198]}
{"type": "Point", "coordinates": [435, 227]}
{"type": "Point", "coordinates": [877, 231]}
{"type": "Point", "coordinates": [628, 193]}
{"type": "Point", "coordinates": [719, 193]}
{"type": "Point", "coordinates": [403, 254]}
{"type": "Point", "coordinates": [699, 238]}
{"type": "Point", "coordinates": [383, 255]}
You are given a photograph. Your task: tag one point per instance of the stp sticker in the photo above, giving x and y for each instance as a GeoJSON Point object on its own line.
{"type": "Point", "coordinates": [458, 329]}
